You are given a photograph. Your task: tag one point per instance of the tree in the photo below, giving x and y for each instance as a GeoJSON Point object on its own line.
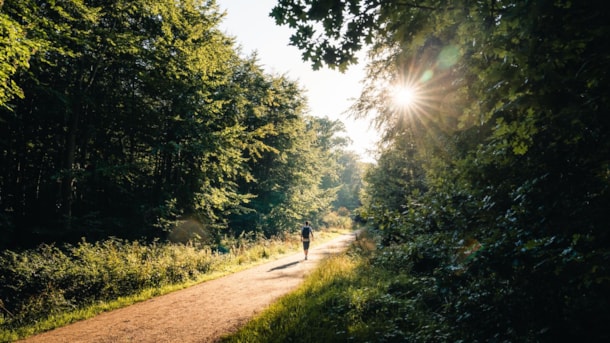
{"type": "Point", "coordinates": [122, 129]}
{"type": "Point", "coordinates": [16, 50]}
{"type": "Point", "coordinates": [350, 180]}
{"type": "Point", "coordinates": [287, 173]}
{"type": "Point", "coordinates": [26, 181]}
{"type": "Point", "coordinates": [512, 136]}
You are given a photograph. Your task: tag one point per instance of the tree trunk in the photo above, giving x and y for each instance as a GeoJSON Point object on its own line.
{"type": "Point", "coordinates": [67, 180]}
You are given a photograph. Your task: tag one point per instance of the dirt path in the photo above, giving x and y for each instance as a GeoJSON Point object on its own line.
{"type": "Point", "coordinates": [201, 313]}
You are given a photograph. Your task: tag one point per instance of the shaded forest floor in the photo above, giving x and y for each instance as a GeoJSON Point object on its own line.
{"type": "Point", "coordinates": [202, 313]}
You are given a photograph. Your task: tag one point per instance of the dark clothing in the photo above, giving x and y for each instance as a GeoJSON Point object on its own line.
{"type": "Point", "coordinates": [306, 236]}
{"type": "Point", "coordinates": [305, 233]}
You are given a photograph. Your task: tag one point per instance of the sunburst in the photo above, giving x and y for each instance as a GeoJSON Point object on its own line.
{"type": "Point", "coordinates": [404, 96]}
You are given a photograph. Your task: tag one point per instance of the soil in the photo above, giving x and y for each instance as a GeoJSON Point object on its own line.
{"type": "Point", "coordinates": [202, 313]}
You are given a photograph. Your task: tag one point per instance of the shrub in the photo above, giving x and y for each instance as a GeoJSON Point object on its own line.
{"type": "Point", "coordinates": [46, 281]}
{"type": "Point", "coordinates": [333, 219]}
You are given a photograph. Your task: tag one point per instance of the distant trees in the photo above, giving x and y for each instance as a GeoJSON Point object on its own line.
{"type": "Point", "coordinates": [122, 118]}
{"type": "Point", "coordinates": [286, 175]}
{"type": "Point", "coordinates": [350, 180]}
{"type": "Point", "coordinates": [506, 151]}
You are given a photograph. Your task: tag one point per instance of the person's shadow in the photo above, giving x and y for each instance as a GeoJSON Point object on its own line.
{"type": "Point", "coordinates": [284, 266]}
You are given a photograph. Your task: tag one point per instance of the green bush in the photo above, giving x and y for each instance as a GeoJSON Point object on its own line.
{"type": "Point", "coordinates": [36, 284]}
{"type": "Point", "coordinates": [47, 287]}
{"type": "Point", "coordinates": [336, 220]}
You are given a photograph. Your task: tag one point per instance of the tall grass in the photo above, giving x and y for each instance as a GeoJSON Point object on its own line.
{"type": "Point", "coordinates": [297, 317]}
{"type": "Point", "coordinates": [50, 286]}
{"type": "Point", "coordinates": [351, 298]}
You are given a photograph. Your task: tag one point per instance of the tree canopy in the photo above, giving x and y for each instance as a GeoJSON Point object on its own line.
{"type": "Point", "coordinates": [127, 118]}
{"type": "Point", "coordinates": [503, 156]}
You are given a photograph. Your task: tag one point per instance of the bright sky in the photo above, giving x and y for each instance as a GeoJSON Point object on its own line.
{"type": "Point", "coordinates": [330, 93]}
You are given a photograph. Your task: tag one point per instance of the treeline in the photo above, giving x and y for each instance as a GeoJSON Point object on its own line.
{"type": "Point", "coordinates": [491, 192]}
{"type": "Point", "coordinates": [135, 119]}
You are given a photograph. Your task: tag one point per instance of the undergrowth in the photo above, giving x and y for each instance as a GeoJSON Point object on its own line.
{"type": "Point", "coordinates": [351, 297]}
{"type": "Point", "coordinates": [52, 286]}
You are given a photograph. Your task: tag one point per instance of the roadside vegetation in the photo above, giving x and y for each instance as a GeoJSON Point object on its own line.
{"type": "Point", "coordinates": [362, 295]}
{"type": "Point", "coordinates": [407, 292]}
{"type": "Point", "coordinates": [52, 286]}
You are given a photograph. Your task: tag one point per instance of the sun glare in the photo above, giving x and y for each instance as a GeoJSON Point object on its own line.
{"type": "Point", "coordinates": [404, 96]}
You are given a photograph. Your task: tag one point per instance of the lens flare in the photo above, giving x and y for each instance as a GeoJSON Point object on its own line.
{"type": "Point", "coordinates": [404, 96]}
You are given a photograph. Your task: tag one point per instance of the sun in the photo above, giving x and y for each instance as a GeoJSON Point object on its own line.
{"type": "Point", "coordinates": [404, 96]}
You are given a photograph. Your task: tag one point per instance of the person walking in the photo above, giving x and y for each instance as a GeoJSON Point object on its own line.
{"type": "Point", "coordinates": [306, 237]}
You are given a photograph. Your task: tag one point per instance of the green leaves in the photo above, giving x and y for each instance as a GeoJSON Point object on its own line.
{"type": "Point", "coordinates": [509, 148]}
{"type": "Point", "coordinates": [328, 32]}
{"type": "Point", "coordinates": [138, 115]}
{"type": "Point", "coordinates": [16, 51]}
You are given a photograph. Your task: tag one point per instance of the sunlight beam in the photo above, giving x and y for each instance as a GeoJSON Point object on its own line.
{"type": "Point", "coordinates": [404, 96]}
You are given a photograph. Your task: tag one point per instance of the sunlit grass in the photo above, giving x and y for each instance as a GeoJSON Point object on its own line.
{"type": "Point", "coordinates": [318, 311]}
{"type": "Point", "coordinates": [351, 298]}
{"type": "Point", "coordinates": [296, 317]}
{"type": "Point", "coordinates": [115, 271]}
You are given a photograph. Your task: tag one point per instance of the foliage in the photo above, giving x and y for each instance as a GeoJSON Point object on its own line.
{"type": "Point", "coordinates": [339, 219]}
{"type": "Point", "coordinates": [112, 128]}
{"type": "Point", "coordinates": [344, 24]}
{"type": "Point", "coordinates": [16, 50]}
{"type": "Point", "coordinates": [131, 118]}
{"type": "Point", "coordinates": [37, 284]}
{"type": "Point", "coordinates": [50, 286]}
{"type": "Point", "coordinates": [350, 175]}
{"type": "Point", "coordinates": [292, 179]}
{"type": "Point", "coordinates": [495, 184]}
{"type": "Point", "coordinates": [351, 297]}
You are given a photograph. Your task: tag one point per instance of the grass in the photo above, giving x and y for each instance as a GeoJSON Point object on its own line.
{"type": "Point", "coordinates": [114, 274]}
{"type": "Point", "coordinates": [316, 310]}
{"type": "Point", "coordinates": [349, 299]}
{"type": "Point", "coordinates": [296, 317]}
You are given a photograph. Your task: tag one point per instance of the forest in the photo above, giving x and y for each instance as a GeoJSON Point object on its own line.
{"type": "Point", "coordinates": [491, 190]}
{"type": "Point", "coordinates": [128, 118]}
{"type": "Point", "coordinates": [488, 201]}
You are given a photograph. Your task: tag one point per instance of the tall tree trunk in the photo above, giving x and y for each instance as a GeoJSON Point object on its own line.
{"type": "Point", "coordinates": [67, 180]}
